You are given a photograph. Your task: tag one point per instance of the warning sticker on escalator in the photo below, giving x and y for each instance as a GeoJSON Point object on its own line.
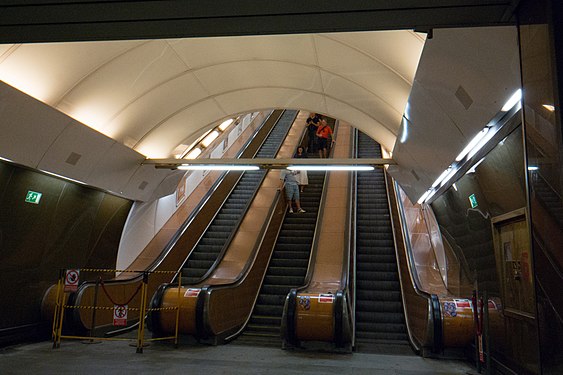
{"type": "Point", "coordinates": [326, 298]}
{"type": "Point", "coordinates": [450, 309]}
{"type": "Point", "coordinates": [192, 292]}
{"type": "Point", "coordinates": [462, 303]}
{"type": "Point", "coordinates": [304, 302]}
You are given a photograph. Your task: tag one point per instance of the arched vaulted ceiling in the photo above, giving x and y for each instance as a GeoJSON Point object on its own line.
{"type": "Point", "coordinates": [158, 96]}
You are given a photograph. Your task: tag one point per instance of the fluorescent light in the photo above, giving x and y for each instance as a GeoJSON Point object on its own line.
{"type": "Point", "coordinates": [472, 144]}
{"type": "Point", "coordinates": [405, 130]}
{"type": "Point", "coordinates": [225, 124]}
{"type": "Point", "coordinates": [549, 107]}
{"type": "Point", "coordinates": [210, 138]}
{"type": "Point", "coordinates": [330, 168]}
{"type": "Point", "coordinates": [455, 187]}
{"type": "Point", "coordinates": [218, 167]}
{"type": "Point", "coordinates": [423, 197]}
{"type": "Point", "coordinates": [193, 153]}
{"type": "Point", "coordinates": [449, 176]}
{"type": "Point", "coordinates": [5, 159]}
{"type": "Point", "coordinates": [533, 168]}
{"type": "Point", "coordinates": [480, 145]}
{"type": "Point", "coordinates": [441, 177]}
{"type": "Point", "coordinates": [515, 98]}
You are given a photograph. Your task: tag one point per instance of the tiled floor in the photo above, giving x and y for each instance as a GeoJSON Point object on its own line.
{"type": "Point", "coordinates": [117, 357]}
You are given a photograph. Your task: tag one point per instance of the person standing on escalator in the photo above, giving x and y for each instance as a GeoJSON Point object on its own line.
{"type": "Point", "coordinates": [303, 177]}
{"type": "Point", "coordinates": [291, 186]}
{"type": "Point", "coordinates": [324, 136]}
{"type": "Point", "coordinates": [312, 125]}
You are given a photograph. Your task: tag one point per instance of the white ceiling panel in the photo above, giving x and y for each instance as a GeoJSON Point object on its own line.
{"type": "Point", "coordinates": [398, 50]}
{"type": "Point", "coordinates": [356, 96]}
{"type": "Point", "coordinates": [200, 52]}
{"type": "Point", "coordinates": [62, 65]}
{"type": "Point", "coordinates": [155, 107]}
{"type": "Point", "coordinates": [362, 122]}
{"type": "Point", "coordinates": [364, 70]}
{"type": "Point", "coordinates": [247, 74]}
{"type": "Point", "coordinates": [28, 127]}
{"type": "Point", "coordinates": [251, 100]}
{"type": "Point", "coordinates": [75, 152]}
{"type": "Point", "coordinates": [170, 133]}
{"type": "Point", "coordinates": [100, 96]}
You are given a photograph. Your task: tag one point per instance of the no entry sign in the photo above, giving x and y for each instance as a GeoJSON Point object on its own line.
{"type": "Point", "coordinates": [71, 280]}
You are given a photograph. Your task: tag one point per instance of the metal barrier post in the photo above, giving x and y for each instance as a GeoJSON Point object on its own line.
{"type": "Point", "coordinates": [93, 325]}
{"type": "Point", "coordinates": [57, 343]}
{"type": "Point", "coordinates": [178, 310]}
{"type": "Point", "coordinates": [142, 311]}
{"type": "Point", "coordinates": [58, 306]}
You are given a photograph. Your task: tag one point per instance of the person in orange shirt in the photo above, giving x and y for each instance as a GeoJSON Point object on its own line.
{"type": "Point", "coordinates": [324, 132]}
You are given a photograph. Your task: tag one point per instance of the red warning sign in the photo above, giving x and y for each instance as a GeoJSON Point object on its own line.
{"type": "Point", "coordinates": [459, 303]}
{"type": "Point", "coordinates": [192, 292]}
{"type": "Point", "coordinates": [326, 298]}
{"type": "Point", "coordinates": [119, 315]}
{"type": "Point", "coordinates": [71, 280]}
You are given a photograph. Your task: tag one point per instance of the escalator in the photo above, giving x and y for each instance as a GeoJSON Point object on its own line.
{"type": "Point", "coordinates": [226, 221]}
{"type": "Point", "coordinates": [266, 140]}
{"type": "Point", "coordinates": [287, 267]}
{"type": "Point", "coordinates": [380, 321]}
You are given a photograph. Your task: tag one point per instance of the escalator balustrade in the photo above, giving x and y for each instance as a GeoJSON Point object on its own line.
{"type": "Point", "coordinates": [380, 321]}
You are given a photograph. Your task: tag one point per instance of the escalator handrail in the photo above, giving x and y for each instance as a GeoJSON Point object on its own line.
{"type": "Point", "coordinates": [241, 277]}
{"type": "Point", "coordinates": [318, 223]}
{"type": "Point", "coordinates": [207, 290]}
{"type": "Point", "coordinates": [170, 245]}
{"type": "Point", "coordinates": [434, 313]}
{"type": "Point", "coordinates": [242, 215]}
{"type": "Point", "coordinates": [179, 233]}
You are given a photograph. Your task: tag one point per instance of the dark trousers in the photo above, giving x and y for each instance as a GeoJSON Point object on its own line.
{"type": "Point", "coordinates": [311, 142]}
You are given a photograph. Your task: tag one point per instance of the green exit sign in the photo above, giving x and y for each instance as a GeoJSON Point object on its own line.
{"type": "Point", "coordinates": [473, 201]}
{"type": "Point", "coordinates": [33, 197]}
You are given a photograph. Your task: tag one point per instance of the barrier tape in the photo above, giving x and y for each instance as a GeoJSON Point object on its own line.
{"type": "Point", "coordinates": [111, 308]}
{"type": "Point", "coordinates": [111, 299]}
{"type": "Point", "coordinates": [131, 271]}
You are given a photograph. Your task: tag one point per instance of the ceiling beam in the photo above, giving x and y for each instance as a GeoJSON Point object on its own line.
{"type": "Point", "coordinates": [25, 21]}
{"type": "Point", "coordinates": [267, 163]}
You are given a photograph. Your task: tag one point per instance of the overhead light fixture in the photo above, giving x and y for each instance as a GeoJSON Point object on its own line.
{"type": "Point", "coordinates": [210, 138]}
{"type": "Point", "coordinates": [455, 187]}
{"type": "Point", "coordinates": [533, 168]}
{"type": "Point", "coordinates": [331, 168]}
{"type": "Point", "coordinates": [5, 159]}
{"type": "Point", "coordinates": [449, 176]}
{"type": "Point", "coordinates": [441, 177]}
{"type": "Point", "coordinates": [549, 107]}
{"type": "Point", "coordinates": [193, 153]}
{"type": "Point", "coordinates": [484, 140]}
{"type": "Point", "coordinates": [218, 167]}
{"type": "Point", "coordinates": [225, 124]}
{"type": "Point", "coordinates": [472, 144]}
{"type": "Point", "coordinates": [515, 98]}
{"type": "Point", "coordinates": [424, 196]}
{"type": "Point", "coordinates": [405, 134]}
